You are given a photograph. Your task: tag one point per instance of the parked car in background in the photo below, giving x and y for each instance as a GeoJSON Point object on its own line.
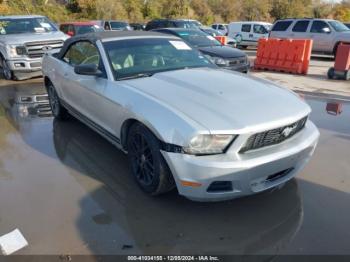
{"type": "Point", "coordinates": [347, 25]}
{"type": "Point", "coordinates": [194, 22]}
{"type": "Point", "coordinates": [78, 28]}
{"type": "Point", "coordinates": [210, 31]}
{"type": "Point", "coordinates": [214, 134]}
{"type": "Point", "coordinates": [326, 33]}
{"type": "Point", "coordinates": [172, 23]}
{"type": "Point", "coordinates": [138, 26]}
{"type": "Point", "coordinates": [248, 33]}
{"type": "Point", "coordinates": [23, 42]}
{"type": "Point", "coordinates": [223, 28]}
{"type": "Point", "coordinates": [113, 25]}
{"type": "Point", "coordinates": [223, 56]}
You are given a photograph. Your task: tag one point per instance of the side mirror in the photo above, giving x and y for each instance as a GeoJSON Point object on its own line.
{"type": "Point", "coordinates": [88, 70]}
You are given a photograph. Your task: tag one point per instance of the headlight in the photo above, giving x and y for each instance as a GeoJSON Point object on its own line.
{"type": "Point", "coordinates": [217, 60]}
{"type": "Point", "coordinates": [21, 50]}
{"type": "Point", "coordinates": [14, 50]}
{"type": "Point", "coordinates": [205, 144]}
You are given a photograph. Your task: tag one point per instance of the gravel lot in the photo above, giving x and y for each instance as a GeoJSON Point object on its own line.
{"type": "Point", "coordinates": [70, 192]}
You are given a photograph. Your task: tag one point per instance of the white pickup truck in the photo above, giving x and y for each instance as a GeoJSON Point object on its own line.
{"type": "Point", "coordinates": [23, 42]}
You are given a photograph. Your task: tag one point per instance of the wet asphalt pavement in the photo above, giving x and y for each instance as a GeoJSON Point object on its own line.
{"type": "Point", "coordinates": [70, 192]}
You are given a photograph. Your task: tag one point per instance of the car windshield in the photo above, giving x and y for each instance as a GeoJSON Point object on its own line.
{"type": "Point", "coordinates": [212, 32]}
{"type": "Point", "coordinates": [84, 29]}
{"type": "Point", "coordinates": [338, 26]}
{"type": "Point", "coordinates": [198, 38]}
{"type": "Point", "coordinates": [26, 25]}
{"type": "Point", "coordinates": [145, 57]}
{"type": "Point", "coordinates": [118, 25]}
{"type": "Point", "coordinates": [194, 23]}
{"type": "Point", "coordinates": [186, 24]}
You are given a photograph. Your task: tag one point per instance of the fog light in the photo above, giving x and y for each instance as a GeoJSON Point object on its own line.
{"type": "Point", "coordinates": [19, 64]}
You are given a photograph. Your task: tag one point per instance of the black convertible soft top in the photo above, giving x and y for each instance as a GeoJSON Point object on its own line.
{"type": "Point", "coordinates": [93, 37]}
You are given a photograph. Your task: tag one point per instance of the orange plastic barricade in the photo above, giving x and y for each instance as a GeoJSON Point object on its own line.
{"type": "Point", "coordinates": [285, 55]}
{"type": "Point", "coordinates": [341, 69]}
{"type": "Point", "coordinates": [334, 108]}
{"type": "Point", "coordinates": [221, 39]}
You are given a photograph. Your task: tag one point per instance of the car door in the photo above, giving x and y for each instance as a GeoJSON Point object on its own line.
{"type": "Point", "coordinates": [259, 31]}
{"type": "Point", "coordinates": [300, 30]}
{"type": "Point", "coordinates": [246, 34]}
{"type": "Point", "coordinates": [85, 93]}
{"type": "Point", "coordinates": [322, 34]}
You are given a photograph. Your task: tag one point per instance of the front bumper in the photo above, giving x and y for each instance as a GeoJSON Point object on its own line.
{"type": "Point", "coordinates": [249, 173]}
{"type": "Point", "coordinates": [24, 68]}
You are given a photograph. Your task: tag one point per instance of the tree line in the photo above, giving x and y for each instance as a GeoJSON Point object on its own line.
{"type": "Point", "coordinates": [206, 11]}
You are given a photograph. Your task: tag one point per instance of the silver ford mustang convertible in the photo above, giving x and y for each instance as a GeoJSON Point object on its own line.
{"type": "Point", "coordinates": [211, 133]}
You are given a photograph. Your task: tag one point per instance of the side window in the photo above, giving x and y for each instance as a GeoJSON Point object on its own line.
{"type": "Point", "coordinates": [259, 29]}
{"type": "Point", "coordinates": [71, 29]}
{"type": "Point", "coordinates": [281, 26]}
{"type": "Point", "coordinates": [246, 28]}
{"type": "Point", "coordinates": [221, 27]}
{"type": "Point", "coordinates": [320, 27]}
{"type": "Point", "coordinates": [158, 24]}
{"type": "Point", "coordinates": [107, 26]}
{"type": "Point", "coordinates": [213, 26]}
{"type": "Point", "coordinates": [82, 53]}
{"type": "Point", "coordinates": [64, 28]}
{"type": "Point", "coordinates": [301, 26]}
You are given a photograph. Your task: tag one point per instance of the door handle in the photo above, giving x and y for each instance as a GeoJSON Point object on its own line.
{"type": "Point", "coordinates": [250, 35]}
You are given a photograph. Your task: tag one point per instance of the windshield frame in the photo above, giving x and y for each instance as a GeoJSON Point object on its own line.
{"type": "Point", "coordinates": [148, 73]}
{"type": "Point", "coordinates": [53, 27]}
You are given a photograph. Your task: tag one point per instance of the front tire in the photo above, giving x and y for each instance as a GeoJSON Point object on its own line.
{"type": "Point", "coordinates": [146, 161]}
{"type": "Point", "coordinates": [58, 111]}
{"type": "Point", "coordinates": [6, 71]}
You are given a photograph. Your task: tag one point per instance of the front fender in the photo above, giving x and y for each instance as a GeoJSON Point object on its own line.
{"type": "Point", "coordinates": [167, 123]}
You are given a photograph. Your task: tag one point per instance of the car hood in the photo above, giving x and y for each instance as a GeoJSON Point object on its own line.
{"type": "Point", "coordinates": [223, 100]}
{"type": "Point", "coordinates": [32, 37]}
{"type": "Point", "coordinates": [222, 51]}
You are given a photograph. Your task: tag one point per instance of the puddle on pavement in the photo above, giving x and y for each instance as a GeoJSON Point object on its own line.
{"type": "Point", "coordinates": [89, 184]}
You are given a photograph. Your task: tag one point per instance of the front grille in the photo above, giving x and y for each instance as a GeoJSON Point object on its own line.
{"type": "Point", "coordinates": [274, 136]}
{"type": "Point", "coordinates": [39, 48]}
{"type": "Point", "coordinates": [41, 98]}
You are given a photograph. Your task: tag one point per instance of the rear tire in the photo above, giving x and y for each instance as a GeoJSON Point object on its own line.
{"type": "Point", "coordinates": [58, 111]}
{"type": "Point", "coordinates": [146, 161]}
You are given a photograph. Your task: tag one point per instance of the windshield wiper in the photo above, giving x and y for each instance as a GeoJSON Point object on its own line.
{"type": "Point", "coordinates": [136, 76]}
